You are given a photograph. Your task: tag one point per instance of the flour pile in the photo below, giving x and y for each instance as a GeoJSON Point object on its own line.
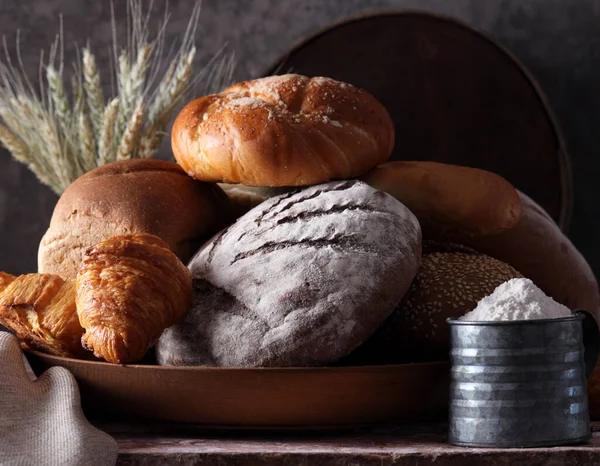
{"type": "Point", "coordinates": [517, 299]}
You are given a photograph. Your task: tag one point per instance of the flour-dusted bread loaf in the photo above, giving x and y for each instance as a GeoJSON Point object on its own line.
{"type": "Point", "coordinates": [288, 130]}
{"type": "Point", "coordinates": [300, 280]}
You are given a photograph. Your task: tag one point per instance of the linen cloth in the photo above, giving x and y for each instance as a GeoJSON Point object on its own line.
{"type": "Point", "coordinates": [41, 421]}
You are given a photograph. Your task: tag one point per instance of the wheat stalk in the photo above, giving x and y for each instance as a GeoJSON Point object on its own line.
{"type": "Point", "coordinates": [168, 98]}
{"type": "Point", "coordinates": [15, 145]}
{"type": "Point", "coordinates": [59, 137]}
{"type": "Point", "coordinates": [132, 79]}
{"type": "Point", "coordinates": [20, 152]}
{"type": "Point", "coordinates": [93, 90]}
{"type": "Point", "coordinates": [128, 144]}
{"type": "Point", "coordinates": [87, 142]}
{"type": "Point", "coordinates": [106, 139]}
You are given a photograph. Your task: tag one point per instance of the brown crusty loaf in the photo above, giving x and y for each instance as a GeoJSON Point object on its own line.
{"type": "Point", "coordinates": [129, 289]}
{"type": "Point", "coordinates": [458, 201]}
{"type": "Point", "coordinates": [301, 280]}
{"type": "Point", "coordinates": [40, 309]}
{"type": "Point", "coordinates": [283, 131]}
{"type": "Point", "coordinates": [449, 283]}
{"type": "Point", "coordinates": [133, 196]}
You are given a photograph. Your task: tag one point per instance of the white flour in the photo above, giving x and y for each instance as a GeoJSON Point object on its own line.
{"type": "Point", "coordinates": [517, 299]}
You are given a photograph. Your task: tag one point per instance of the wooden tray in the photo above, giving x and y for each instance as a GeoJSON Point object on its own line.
{"type": "Point", "coordinates": [454, 94]}
{"type": "Point", "coordinates": [292, 398]}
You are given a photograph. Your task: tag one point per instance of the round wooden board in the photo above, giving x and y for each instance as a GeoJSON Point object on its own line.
{"type": "Point", "coordinates": [454, 95]}
{"type": "Point", "coordinates": [289, 398]}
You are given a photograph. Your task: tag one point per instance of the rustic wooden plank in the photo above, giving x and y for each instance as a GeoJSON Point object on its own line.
{"type": "Point", "coordinates": [407, 445]}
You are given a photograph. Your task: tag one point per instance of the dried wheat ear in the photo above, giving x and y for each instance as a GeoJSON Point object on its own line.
{"type": "Point", "coordinates": [60, 134]}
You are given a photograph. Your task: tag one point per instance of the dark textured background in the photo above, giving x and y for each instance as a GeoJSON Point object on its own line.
{"type": "Point", "coordinates": [558, 40]}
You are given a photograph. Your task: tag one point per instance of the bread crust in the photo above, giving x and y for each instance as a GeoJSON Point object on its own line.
{"type": "Point", "coordinates": [450, 200]}
{"type": "Point", "coordinates": [300, 280]}
{"type": "Point", "coordinates": [133, 196]}
{"type": "Point", "coordinates": [286, 130]}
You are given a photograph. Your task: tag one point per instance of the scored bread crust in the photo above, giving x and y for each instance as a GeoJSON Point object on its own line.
{"type": "Point", "coordinates": [286, 130]}
{"type": "Point", "coordinates": [300, 280]}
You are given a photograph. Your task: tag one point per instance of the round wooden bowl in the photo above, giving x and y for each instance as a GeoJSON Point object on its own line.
{"type": "Point", "coordinates": [291, 398]}
{"type": "Point", "coordinates": [455, 96]}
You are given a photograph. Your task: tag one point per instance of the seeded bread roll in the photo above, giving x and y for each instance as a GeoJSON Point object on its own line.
{"type": "Point", "coordinates": [283, 131]}
{"type": "Point", "coordinates": [300, 280]}
{"type": "Point", "coordinates": [449, 283]}
{"type": "Point", "coordinates": [132, 196]}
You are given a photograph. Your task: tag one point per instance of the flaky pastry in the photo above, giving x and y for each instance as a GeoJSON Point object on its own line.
{"type": "Point", "coordinates": [40, 309]}
{"type": "Point", "coordinates": [129, 289]}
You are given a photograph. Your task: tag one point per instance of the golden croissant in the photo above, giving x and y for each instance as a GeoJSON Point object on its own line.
{"type": "Point", "coordinates": [5, 280]}
{"type": "Point", "coordinates": [40, 310]}
{"type": "Point", "coordinates": [129, 289]}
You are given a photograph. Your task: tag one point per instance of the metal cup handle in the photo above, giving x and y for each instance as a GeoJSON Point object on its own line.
{"type": "Point", "coordinates": [591, 341]}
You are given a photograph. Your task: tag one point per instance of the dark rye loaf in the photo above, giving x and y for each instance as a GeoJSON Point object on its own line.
{"type": "Point", "coordinates": [300, 280]}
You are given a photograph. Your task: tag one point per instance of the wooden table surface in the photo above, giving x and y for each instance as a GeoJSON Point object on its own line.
{"type": "Point", "coordinates": [423, 445]}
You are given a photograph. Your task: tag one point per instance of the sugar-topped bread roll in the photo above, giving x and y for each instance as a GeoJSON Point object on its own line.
{"type": "Point", "coordinates": [286, 130]}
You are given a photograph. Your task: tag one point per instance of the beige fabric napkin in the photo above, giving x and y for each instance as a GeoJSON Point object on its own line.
{"type": "Point", "coordinates": [41, 421]}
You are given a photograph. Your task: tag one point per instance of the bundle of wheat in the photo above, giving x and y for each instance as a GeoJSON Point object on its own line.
{"type": "Point", "coordinates": [61, 136]}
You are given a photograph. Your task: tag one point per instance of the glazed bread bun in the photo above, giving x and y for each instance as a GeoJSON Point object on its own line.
{"type": "Point", "coordinates": [450, 282]}
{"type": "Point", "coordinates": [132, 196]}
{"type": "Point", "coordinates": [286, 130]}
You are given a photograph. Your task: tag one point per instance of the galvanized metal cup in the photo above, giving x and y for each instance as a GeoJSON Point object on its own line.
{"type": "Point", "coordinates": [521, 383]}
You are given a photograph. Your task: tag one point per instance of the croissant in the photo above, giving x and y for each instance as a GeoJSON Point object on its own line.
{"type": "Point", "coordinates": [40, 310]}
{"type": "Point", "coordinates": [129, 289]}
{"type": "Point", "coordinates": [5, 280]}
